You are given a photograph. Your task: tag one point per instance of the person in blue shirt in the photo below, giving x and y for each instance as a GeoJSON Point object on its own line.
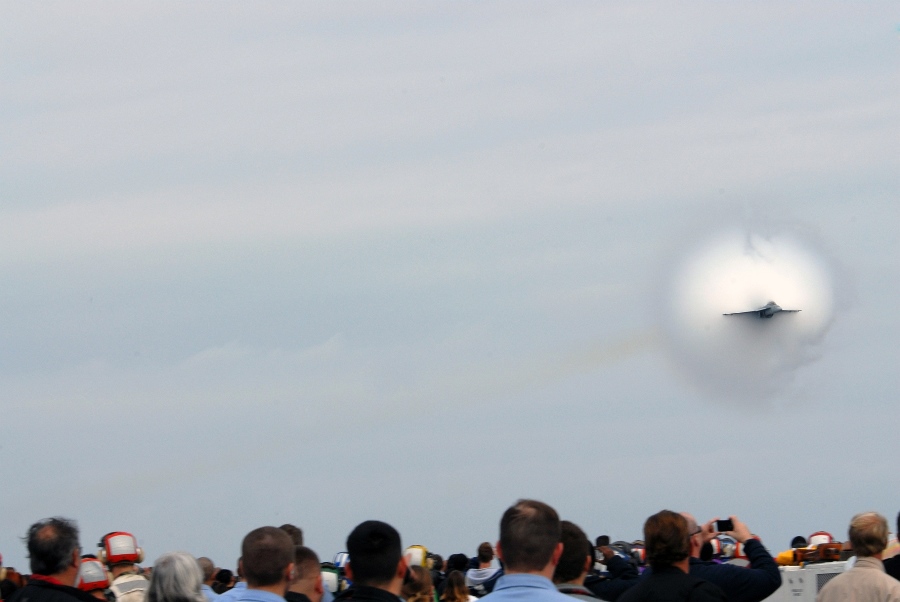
{"type": "Point", "coordinates": [209, 574]}
{"type": "Point", "coordinates": [267, 563]}
{"type": "Point", "coordinates": [231, 595]}
{"type": "Point", "coordinates": [530, 547]}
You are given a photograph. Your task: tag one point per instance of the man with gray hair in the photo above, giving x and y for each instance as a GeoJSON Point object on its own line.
{"type": "Point", "coordinates": [866, 581]}
{"type": "Point", "coordinates": [55, 555]}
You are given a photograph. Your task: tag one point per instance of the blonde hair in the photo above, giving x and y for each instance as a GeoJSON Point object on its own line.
{"type": "Point", "coordinates": [420, 587]}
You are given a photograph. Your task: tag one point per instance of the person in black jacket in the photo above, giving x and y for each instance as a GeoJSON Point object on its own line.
{"type": "Point", "coordinates": [740, 584]}
{"type": "Point", "coordinates": [572, 575]}
{"type": "Point", "coordinates": [892, 565]}
{"type": "Point", "coordinates": [622, 575]}
{"type": "Point", "coordinates": [55, 556]}
{"type": "Point", "coordinates": [668, 551]}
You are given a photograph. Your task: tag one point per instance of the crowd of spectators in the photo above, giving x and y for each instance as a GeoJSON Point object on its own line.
{"type": "Point", "coordinates": [537, 558]}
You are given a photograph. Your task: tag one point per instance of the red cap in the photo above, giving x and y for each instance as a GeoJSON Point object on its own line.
{"type": "Point", "coordinates": [92, 575]}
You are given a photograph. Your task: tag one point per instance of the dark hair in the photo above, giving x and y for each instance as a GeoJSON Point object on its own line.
{"type": "Point", "coordinates": [265, 554]}
{"type": "Point", "coordinates": [457, 562]}
{"type": "Point", "coordinates": [437, 562]}
{"type": "Point", "coordinates": [706, 551]}
{"type": "Point", "coordinates": [529, 533]}
{"type": "Point", "coordinates": [602, 541]}
{"type": "Point", "coordinates": [7, 587]}
{"type": "Point", "coordinates": [224, 576]}
{"type": "Point", "coordinates": [667, 537]}
{"type": "Point", "coordinates": [577, 549]}
{"type": "Point", "coordinates": [419, 587]}
{"type": "Point", "coordinates": [295, 532]}
{"type": "Point", "coordinates": [455, 589]}
{"type": "Point", "coordinates": [51, 543]}
{"type": "Point", "coordinates": [798, 542]}
{"type": "Point", "coordinates": [374, 549]}
{"type": "Point", "coordinates": [306, 562]}
{"type": "Point", "coordinates": [485, 552]}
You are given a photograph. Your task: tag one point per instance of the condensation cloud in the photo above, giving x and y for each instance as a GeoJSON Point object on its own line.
{"type": "Point", "coordinates": [746, 358]}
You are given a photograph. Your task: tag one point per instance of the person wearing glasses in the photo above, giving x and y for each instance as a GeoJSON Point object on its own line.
{"type": "Point", "coordinates": [741, 584]}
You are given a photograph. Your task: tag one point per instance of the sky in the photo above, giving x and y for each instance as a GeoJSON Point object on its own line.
{"type": "Point", "coordinates": [319, 263]}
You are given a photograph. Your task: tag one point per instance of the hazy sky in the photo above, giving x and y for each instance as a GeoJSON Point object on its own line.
{"type": "Point", "coordinates": [319, 263]}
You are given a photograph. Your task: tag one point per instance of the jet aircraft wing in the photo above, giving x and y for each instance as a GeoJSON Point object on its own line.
{"type": "Point", "coordinates": [737, 313]}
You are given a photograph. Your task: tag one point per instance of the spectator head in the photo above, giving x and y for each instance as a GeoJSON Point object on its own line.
{"type": "Point", "coordinates": [602, 541]}
{"type": "Point", "coordinates": [375, 554]}
{"type": "Point", "coordinates": [295, 532]}
{"type": "Point", "coordinates": [7, 586]}
{"type": "Point", "coordinates": [798, 542]}
{"type": "Point", "coordinates": [207, 568]}
{"type": "Point", "coordinates": [267, 557]}
{"type": "Point", "coordinates": [437, 562]}
{"type": "Point", "coordinates": [224, 576]}
{"type": "Point", "coordinates": [529, 537]}
{"type": "Point", "coordinates": [577, 556]}
{"type": "Point", "coordinates": [455, 589]}
{"type": "Point", "coordinates": [667, 538]}
{"type": "Point", "coordinates": [307, 574]}
{"type": "Point", "coordinates": [419, 587]}
{"type": "Point", "coordinates": [53, 547]}
{"type": "Point", "coordinates": [416, 555]}
{"type": "Point", "coordinates": [868, 534]}
{"type": "Point", "coordinates": [306, 564]}
{"type": "Point", "coordinates": [176, 577]}
{"type": "Point", "coordinates": [119, 550]}
{"type": "Point", "coordinates": [457, 562]}
{"type": "Point", "coordinates": [695, 535]}
{"type": "Point", "coordinates": [485, 552]}
{"type": "Point", "coordinates": [93, 577]}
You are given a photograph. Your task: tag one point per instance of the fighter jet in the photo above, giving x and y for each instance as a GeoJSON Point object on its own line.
{"type": "Point", "coordinates": [766, 311]}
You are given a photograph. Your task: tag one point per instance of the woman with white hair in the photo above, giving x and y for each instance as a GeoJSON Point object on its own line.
{"type": "Point", "coordinates": [176, 578]}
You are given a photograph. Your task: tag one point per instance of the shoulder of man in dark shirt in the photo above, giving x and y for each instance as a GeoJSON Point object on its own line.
{"type": "Point", "coordinates": [622, 576]}
{"type": "Point", "coordinates": [41, 591]}
{"type": "Point", "coordinates": [892, 566]}
{"type": "Point", "coordinates": [743, 584]}
{"type": "Point", "coordinates": [669, 585]}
